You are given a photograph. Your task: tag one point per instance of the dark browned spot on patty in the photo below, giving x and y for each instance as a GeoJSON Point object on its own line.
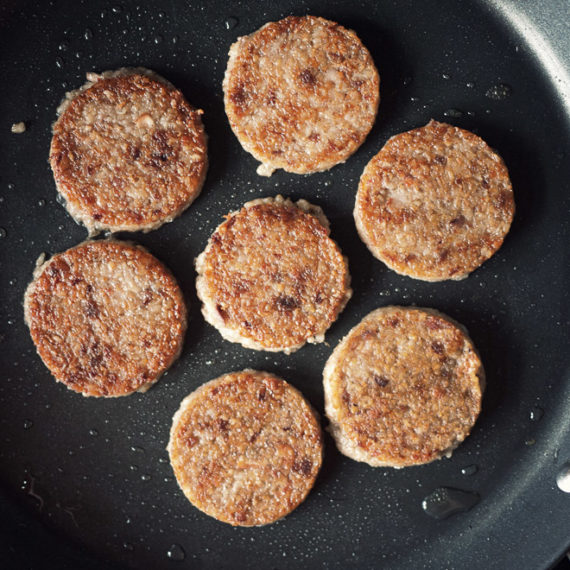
{"type": "Point", "coordinates": [458, 221]}
{"type": "Point", "coordinates": [287, 303]}
{"type": "Point", "coordinates": [307, 77]}
{"type": "Point", "coordinates": [304, 467]}
{"type": "Point", "coordinates": [240, 96]}
{"type": "Point", "coordinates": [437, 347]}
{"type": "Point", "coordinates": [381, 381]}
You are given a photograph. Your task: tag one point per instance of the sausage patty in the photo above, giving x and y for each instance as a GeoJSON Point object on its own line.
{"type": "Point", "coordinates": [434, 203]}
{"type": "Point", "coordinates": [300, 94]}
{"type": "Point", "coordinates": [271, 278]}
{"type": "Point", "coordinates": [403, 388]}
{"type": "Point", "coordinates": [128, 152]}
{"type": "Point", "coordinates": [107, 318]}
{"type": "Point", "coordinates": [246, 448]}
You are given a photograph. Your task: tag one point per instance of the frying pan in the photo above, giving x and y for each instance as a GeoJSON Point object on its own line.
{"type": "Point", "coordinates": [86, 483]}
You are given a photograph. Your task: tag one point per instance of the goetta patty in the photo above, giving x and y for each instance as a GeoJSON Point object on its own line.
{"type": "Point", "coordinates": [128, 152]}
{"type": "Point", "coordinates": [107, 318]}
{"type": "Point", "coordinates": [300, 94]}
{"type": "Point", "coordinates": [434, 203]}
{"type": "Point", "coordinates": [246, 448]}
{"type": "Point", "coordinates": [271, 278]}
{"type": "Point", "coordinates": [403, 388]}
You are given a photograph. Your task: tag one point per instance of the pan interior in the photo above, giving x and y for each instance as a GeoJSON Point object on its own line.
{"type": "Point", "coordinates": [88, 481]}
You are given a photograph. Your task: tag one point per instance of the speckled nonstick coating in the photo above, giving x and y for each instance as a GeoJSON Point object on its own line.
{"type": "Point", "coordinates": [86, 483]}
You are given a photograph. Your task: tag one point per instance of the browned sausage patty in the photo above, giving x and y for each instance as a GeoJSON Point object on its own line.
{"type": "Point", "coordinates": [107, 318]}
{"type": "Point", "coordinates": [403, 387]}
{"type": "Point", "coordinates": [300, 94]}
{"type": "Point", "coordinates": [128, 152]}
{"type": "Point", "coordinates": [434, 203]}
{"type": "Point", "coordinates": [271, 278]}
{"type": "Point", "coordinates": [246, 448]}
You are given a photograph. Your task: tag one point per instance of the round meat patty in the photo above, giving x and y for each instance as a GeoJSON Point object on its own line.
{"type": "Point", "coordinates": [434, 203]}
{"type": "Point", "coordinates": [246, 448]}
{"type": "Point", "coordinates": [300, 94]}
{"type": "Point", "coordinates": [271, 278]}
{"type": "Point", "coordinates": [107, 318]}
{"type": "Point", "coordinates": [403, 388]}
{"type": "Point", "coordinates": [128, 152]}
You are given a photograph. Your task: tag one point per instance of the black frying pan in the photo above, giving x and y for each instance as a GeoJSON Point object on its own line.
{"type": "Point", "coordinates": [86, 483]}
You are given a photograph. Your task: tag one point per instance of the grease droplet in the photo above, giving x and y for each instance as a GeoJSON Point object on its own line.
{"type": "Point", "coordinates": [175, 39]}
{"type": "Point", "coordinates": [117, 9]}
{"type": "Point", "coordinates": [176, 552]}
{"type": "Point", "coordinates": [63, 46]}
{"type": "Point", "coordinates": [563, 478]}
{"type": "Point", "coordinates": [93, 432]}
{"type": "Point", "coordinates": [41, 202]}
{"type": "Point", "coordinates": [536, 413]}
{"type": "Point", "coordinates": [453, 113]}
{"type": "Point", "coordinates": [469, 470]}
{"type": "Point", "coordinates": [231, 23]}
{"type": "Point", "coordinates": [59, 62]}
{"type": "Point", "coordinates": [146, 477]}
{"type": "Point", "coordinates": [445, 502]}
{"type": "Point", "coordinates": [158, 39]}
{"type": "Point", "coordinates": [28, 424]}
{"type": "Point", "coordinates": [499, 92]}
{"type": "Point", "coordinates": [445, 76]}
{"type": "Point", "coordinates": [88, 35]}
{"type": "Point", "coordinates": [470, 85]}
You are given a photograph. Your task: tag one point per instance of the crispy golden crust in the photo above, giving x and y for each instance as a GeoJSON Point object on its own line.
{"type": "Point", "coordinates": [403, 388]}
{"type": "Point", "coordinates": [128, 153]}
{"type": "Point", "coordinates": [434, 203]}
{"type": "Point", "coordinates": [107, 318]}
{"type": "Point", "coordinates": [246, 448]}
{"type": "Point", "coordinates": [271, 278]}
{"type": "Point", "coordinates": [301, 94]}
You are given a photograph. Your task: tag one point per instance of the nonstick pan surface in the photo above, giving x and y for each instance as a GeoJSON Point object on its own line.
{"type": "Point", "coordinates": [86, 483]}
